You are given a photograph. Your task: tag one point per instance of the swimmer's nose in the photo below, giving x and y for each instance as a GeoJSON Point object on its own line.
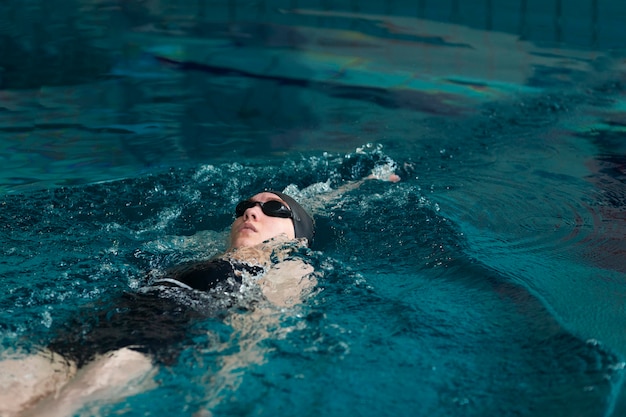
{"type": "Point", "coordinates": [252, 213]}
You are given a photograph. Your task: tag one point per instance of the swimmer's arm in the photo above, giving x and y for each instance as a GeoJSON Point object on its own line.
{"type": "Point", "coordinates": [382, 173]}
{"type": "Point", "coordinates": [287, 283]}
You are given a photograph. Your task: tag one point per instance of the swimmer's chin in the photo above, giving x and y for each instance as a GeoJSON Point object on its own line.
{"type": "Point", "coordinates": [252, 242]}
{"type": "Point", "coordinates": [263, 253]}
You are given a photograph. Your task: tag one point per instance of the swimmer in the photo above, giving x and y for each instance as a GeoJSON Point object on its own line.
{"type": "Point", "coordinates": [73, 373]}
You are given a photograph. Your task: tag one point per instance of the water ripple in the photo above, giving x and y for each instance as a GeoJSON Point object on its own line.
{"type": "Point", "coordinates": [531, 216]}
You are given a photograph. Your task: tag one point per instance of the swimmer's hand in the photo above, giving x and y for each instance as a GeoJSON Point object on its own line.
{"type": "Point", "coordinates": [390, 178]}
{"type": "Point", "coordinates": [384, 172]}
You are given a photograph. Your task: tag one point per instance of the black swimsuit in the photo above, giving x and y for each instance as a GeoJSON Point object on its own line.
{"type": "Point", "coordinates": [218, 274]}
{"type": "Point", "coordinates": [156, 319]}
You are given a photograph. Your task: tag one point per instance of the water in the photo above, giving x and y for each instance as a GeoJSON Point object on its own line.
{"type": "Point", "coordinates": [489, 281]}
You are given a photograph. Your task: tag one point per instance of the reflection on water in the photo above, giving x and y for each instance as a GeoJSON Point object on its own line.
{"type": "Point", "coordinates": [510, 214]}
{"type": "Point", "coordinates": [114, 88]}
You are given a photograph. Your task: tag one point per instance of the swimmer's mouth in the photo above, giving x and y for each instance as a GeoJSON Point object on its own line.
{"type": "Point", "coordinates": [249, 227]}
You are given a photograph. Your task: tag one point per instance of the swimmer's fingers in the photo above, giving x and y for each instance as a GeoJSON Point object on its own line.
{"type": "Point", "coordinates": [390, 178]}
{"type": "Point", "coordinates": [385, 172]}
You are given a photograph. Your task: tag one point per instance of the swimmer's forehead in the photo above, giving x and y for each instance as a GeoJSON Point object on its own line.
{"type": "Point", "coordinates": [265, 196]}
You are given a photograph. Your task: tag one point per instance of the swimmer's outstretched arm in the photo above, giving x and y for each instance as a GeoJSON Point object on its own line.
{"type": "Point", "coordinates": [381, 176]}
{"type": "Point", "coordinates": [319, 202]}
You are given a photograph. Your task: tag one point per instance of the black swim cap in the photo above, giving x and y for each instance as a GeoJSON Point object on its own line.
{"type": "Point", "coordinates": [303, 223]}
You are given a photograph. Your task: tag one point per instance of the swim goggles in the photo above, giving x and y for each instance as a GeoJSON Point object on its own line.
{"type": "Point", "coordinates": [272, 208]}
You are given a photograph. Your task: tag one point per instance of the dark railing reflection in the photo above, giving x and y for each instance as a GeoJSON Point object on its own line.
{"type": "Point", "coordinates": [587, 23]}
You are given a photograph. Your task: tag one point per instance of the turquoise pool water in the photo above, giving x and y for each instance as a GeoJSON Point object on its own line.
{"type": "Point", "coordinates": [489, 281]}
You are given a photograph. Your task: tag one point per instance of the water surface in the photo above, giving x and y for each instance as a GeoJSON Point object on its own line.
{"type": "Point", "coordinates": [488, 281]}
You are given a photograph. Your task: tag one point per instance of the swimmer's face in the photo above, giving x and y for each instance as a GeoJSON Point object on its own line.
{"type": "Point", "coordinates": [255, 227]}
